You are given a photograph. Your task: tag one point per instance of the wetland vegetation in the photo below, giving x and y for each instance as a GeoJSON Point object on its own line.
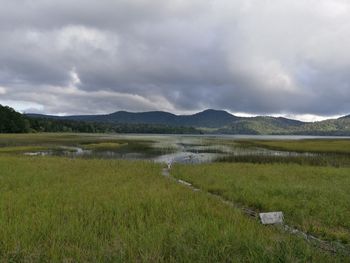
{"type": "Point", "coordinates": [102, 198]}
{"type": "Point", "coordinates": [314, 199]}
{"type": "Point", "coordinates": [59, 209]}
{"type": "Point", "coordinates": [337, 146]}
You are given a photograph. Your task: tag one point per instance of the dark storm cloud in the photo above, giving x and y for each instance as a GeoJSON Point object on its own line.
{"type": "Point", "coordinates": [266, 57]}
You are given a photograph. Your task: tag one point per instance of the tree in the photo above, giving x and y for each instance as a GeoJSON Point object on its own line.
{"type": "Point", "coordinates": [12, 121]}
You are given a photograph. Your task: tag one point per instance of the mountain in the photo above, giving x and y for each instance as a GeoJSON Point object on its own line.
{"type": "Point", "coordinates": [208, 118]}
{"type": "Point", "coordinates": [262, 125]}
{"type": "Point", "coordinates": [336, 127]}
{"type": "Point", "coordinates": [208, 121]}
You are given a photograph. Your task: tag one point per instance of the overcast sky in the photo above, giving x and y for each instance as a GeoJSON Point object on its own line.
{"type": "Point", "coordinates": [255, 57]}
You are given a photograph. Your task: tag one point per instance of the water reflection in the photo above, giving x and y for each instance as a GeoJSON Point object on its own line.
{"type": "Point", "coordinates": [169, 149]}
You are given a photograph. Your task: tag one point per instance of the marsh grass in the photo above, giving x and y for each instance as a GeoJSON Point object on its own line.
{"type": "Point", "coordinates": [55, 209]}
{"type": "Point", "coordinates": [60, 142]}
{"type": "Point", "coordinates": [23, 149]}
{"type": "Point", "coordinates": [102, 146]}
{"type": "Point", "coordinates": [315, 152]}
{"type": "Point", "coordinates": [314, 199]}
{"type": "Point", "coordinates": [74, 210]}
{"type": "Point", "coordinates": [337, 146]}
{"type": "Point", "coordinates": [334, 160]}
{"type": "Point", "coordinates": [46, 139]}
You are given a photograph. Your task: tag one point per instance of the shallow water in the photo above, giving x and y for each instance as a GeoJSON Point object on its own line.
{"type": "Point", "coordinates": [176, 148]}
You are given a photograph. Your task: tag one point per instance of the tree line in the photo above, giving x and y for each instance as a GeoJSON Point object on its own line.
{"type": "Point", "coordinates": [15, 122]}
{"type": "Point", "coordinates": [12, 121]}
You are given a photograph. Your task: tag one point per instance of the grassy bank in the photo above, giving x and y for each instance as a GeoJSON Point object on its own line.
{"type": "Point", "coordinates": [338, 146]}
{"type": "Point", "coordinates": [76, 210]}
{"type": "Point", "coordinates": [315, 199]}
{"type": "Point", "coordinates": [333, 160]}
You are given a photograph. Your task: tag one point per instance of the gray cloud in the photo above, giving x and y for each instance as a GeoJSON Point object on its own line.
{"type": "Point", "coordinates": [258, 57]}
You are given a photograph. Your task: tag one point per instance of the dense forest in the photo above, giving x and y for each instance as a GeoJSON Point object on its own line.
{"type": "Point", "coordinates": [53, 125]}
{"type": "Point", "coordinates": [12, 121]}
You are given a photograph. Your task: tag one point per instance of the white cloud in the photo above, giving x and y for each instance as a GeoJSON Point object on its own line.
{"type": "Point", "coordinates": [251, 56]}
{"type": "Point", "coordinates": [2, 90]}
{"type": "Point", "coordinates": [311, 117]}
{"type": "Point", "coordinates": [77, 37]}
{"type": "Point", "coordinates": [23, 106]}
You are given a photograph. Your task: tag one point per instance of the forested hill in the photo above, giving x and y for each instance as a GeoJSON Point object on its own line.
{"type": "Point", "coordinates": [208, 118]}
{"type": "Point", "coordinates": [15, 122]}
{"type": "Point", "coordinates": [214, 122]}
{"type": "Point", "coordinates": [206, 122]}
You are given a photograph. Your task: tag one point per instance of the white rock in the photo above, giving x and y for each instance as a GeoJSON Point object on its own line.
{"type": "Point", "coordinates": [271, 218]}
{"type": "Point", "coordinates": [184, 182]}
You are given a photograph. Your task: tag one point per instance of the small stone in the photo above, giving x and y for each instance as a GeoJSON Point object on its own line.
{"type": "Point", "coordinates": [184, 182]}
{"type": "Point", "coordinates": [271, 218]}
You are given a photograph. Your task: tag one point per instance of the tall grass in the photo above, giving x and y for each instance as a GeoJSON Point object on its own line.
{"type": "Point", "coordinates": [334, 160]}
{"type": "Point", "coordinates": [75, 210]}
{"type": "Point", "coordinates": [315, 199]}
{"type": "Point", "coordinates": [57, 143]}
{"type": "Point", "coordinates": [341, 146]}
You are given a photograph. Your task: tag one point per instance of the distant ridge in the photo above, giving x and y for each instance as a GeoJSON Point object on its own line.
{"type": "Point", "coordinates": [209, 118]}
{"type": "Point", "coordinates": [217, 122]}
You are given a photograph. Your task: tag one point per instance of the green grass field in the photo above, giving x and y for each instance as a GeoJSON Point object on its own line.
{"type": "Point", "coordinates": [315, 199]}
{"type": "Point", "coordinates": [76, 210]}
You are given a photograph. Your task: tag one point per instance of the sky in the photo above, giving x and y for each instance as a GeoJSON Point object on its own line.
{"type": "Point", "coordinates": [250, 57]}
